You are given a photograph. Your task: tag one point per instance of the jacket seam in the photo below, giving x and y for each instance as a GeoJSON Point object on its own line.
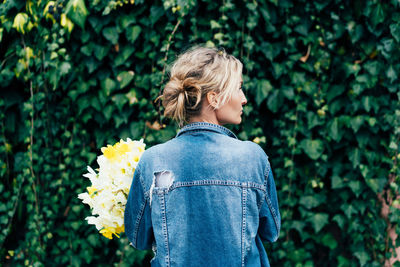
{"type": "Point", "coordinates": [273, 213]}
{"type": "Point", "coordinates": [199, 126]}
{"type": "Point", "coordinates": [138, 220]}
{"type": "Point", "coordinates": [267, 170]}
{"type": "Point", "coordinates": [218, 182]}
{"type": "Point", "coordinates": [244, 200]}
{"type": "Point", "coordinates": [271, 208]}
{"type": "Point", "coordinates": [165, 229]}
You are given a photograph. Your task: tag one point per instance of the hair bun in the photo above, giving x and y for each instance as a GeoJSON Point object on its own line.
{"type": "Point", "coordinates": [191, 85]}
{"type": "Point", "coordinates": [181, 97]}
{"type": "Point", "coordinates": [195, 73]}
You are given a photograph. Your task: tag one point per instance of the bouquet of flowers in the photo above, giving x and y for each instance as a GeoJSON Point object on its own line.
{"type": "Point", "coordinates": [109, 190]}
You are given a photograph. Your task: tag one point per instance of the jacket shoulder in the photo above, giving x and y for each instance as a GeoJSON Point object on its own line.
{"type": "Point", "coordinates": [258, 153]}
{"type": "Point", "coordinates": [255, 148]}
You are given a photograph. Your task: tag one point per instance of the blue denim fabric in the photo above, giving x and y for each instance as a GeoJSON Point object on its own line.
{"type": "Point", "coordinates": [204, 198]}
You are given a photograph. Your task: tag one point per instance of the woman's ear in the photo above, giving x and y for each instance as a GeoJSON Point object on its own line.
{"type": "Point", "coordinates": [212, 99]}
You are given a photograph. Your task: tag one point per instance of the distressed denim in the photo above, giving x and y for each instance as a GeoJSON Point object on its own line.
{"type": "Point", "coordinates": [204, 198]}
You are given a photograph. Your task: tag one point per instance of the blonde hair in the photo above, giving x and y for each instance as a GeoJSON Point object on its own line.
{"type": "Point", "coordinates": [195, 73]}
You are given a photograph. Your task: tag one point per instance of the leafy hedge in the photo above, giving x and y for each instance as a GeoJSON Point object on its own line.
{"type": "Point", "coordinates": [322, 82]}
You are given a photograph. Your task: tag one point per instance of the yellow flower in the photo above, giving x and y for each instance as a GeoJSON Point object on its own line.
{"type": "Point", "coordinates": [115, 152]}
{"type": "Point", "coordinates": [110, 186]}
{"type": "Point", "coordinates": [109, 152]}
{"type": "Point", "coordinates": [91, 190]}
{"type": "Point", "coordinates": [122, 148]}
{"type": "Point", "coordinates": [108, 232]}
{"type": "Point", "coordinates": [120, 229]}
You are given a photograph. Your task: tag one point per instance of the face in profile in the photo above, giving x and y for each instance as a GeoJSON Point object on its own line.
{"type": "Point", "coordinates": [231, 111]}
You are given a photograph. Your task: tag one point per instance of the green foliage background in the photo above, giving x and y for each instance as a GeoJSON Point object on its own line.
{"type": "Point", "coordinates": [328, 119]}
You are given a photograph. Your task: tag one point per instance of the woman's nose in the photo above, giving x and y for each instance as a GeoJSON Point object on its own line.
{"type": "Point", "coordinates": [244, 99]}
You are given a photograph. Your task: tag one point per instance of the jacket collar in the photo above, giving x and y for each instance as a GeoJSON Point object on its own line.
{"type": "Point", "coordinates": [206, 126]}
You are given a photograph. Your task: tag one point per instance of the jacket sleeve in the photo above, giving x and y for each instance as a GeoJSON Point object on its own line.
{"type": "Point", "coordinates": [270, 218]}
{"type": "Point", "coordinates": [137, 217]}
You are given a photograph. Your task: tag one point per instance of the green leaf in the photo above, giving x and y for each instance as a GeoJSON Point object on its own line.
{"type": "Point", "coordinates": [376, 184]}
{"type": "Point", "coordinates": [111, 34]}
{"type": "Point", "coordinates": [348, 210]}
{"type": "Point", "coordinates": [76, 11]}
{"type": "Point", "coordinates": [298, 225]}
{"type": "Point", "coordinates": [302, 28]}
{"type": "Point", "coordinates": [119, 120]}
{"type": "Point", "coordinates": [393, 145]}
{"type": "Point", "coordinates": [366, 101]}
{"type": "Point", "coordinates": [125, 78]}
{"type": "Point", "coordinates": [75, 225]}
{"type": "Point", "coordinates": [337, 182]}
{"type": "Point", "coordinates": [214, 24]}
{"type": "Point", "coordinates": [334, 131]}
{"type": "Point", "coordinates": [278, 70]}
{"type": "Point", "coordinates": [126, 20]}
{"type": "Point", "coordinates": [100, 51]}
{"type": "Point", "coordinates": [373, 67]}
{"type": "Point", "coordinates": [313, 120]}
{"type": "Point", "coordinates": [354, 156]}
{"type": "Point", "coordinates": [268, 50]}
{"type": "Point", "coordinates": [372, 122]}
{"type": "Point", "coordinates": [155, 13]}
{"type": "Point", "coordinates": [120, 100]}
{"type": "Point", "coordinates": [91, 64]}
{"type": "Point", "coordinates": [108, 85]}
{"type": "Point", "coordinates": [395, 31]}
{"type": "Point", "coordinates": [263, 89]}
{"type": "Point", "coordinates": [339, 219]}
{"type": "Point", "coordinates": [124, 54]}
{"type": "Point", "coordinates": [391, 74]}
{"type": "Point", "coordinates": [356, 123]}
{"type": "Point", "coordinates": [108, 111]}
{"type": "Point", "coordinates": [313, 148]}
{"type": "Point", "coordinates": [274, 101]}
{"type": "Point", "coordinates": [363, 257]}
{"type": "Point", "coordinates": [87, 50]}
{"type": "Point", "coordinates": [288, 92]}
{"type": "Point", "coordinates": [64, 68]}
{"type": "Point", "coordinates": [319, 220]}
{"type": "Point", "coordinates": [355, 186]}
{"type": "Point", "coordinates": [93, 240]}
{"type": "Point", "coordinates": [351, 68]}
{"type": "Point", "coordinates": [132, 33]}
{"type": "Point", "coordinates": [95, 103]}
{"type": "Point", "coordinates": [364, 170]}
{"type": "Point", "coordinates": [98, 22]}
{"type": "Point", "coordinates": [310, 201]}
{"type": "Point", "coordinates": [136, 129]}
{"type": "Point", "coordinates": [334, 91]}
{"type": "Point", "coordinates": [343, 262]}
{"type": "Point", "coordinates": [377, 15]}
{"type": "Point", "coordinates": [329, 241]}
{"type": "Point", "coordinates": [298, 255]}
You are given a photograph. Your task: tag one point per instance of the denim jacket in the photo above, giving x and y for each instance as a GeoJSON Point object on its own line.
{"type": "Point", "coordinates": [204, 198]}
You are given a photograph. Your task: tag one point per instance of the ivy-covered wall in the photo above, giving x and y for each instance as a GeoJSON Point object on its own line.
{"type": "Point", "coordinates": [323, 89]}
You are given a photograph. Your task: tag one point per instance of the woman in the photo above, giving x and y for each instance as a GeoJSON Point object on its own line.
{"type": "Point", "coordinates": [204, 198]}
